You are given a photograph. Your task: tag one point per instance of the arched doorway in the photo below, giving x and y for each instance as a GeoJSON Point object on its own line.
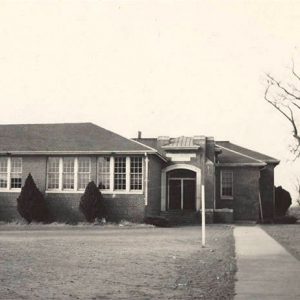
{"type": "Point", "coordinates": [181, 189]}
{"type": "Point", "coordinates": [181, 175]}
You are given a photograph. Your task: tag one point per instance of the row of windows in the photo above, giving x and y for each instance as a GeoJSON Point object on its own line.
{"type": "Point", "coordinates": [70, 173]}
{"type": "Point", "coordinates": [113, 173]}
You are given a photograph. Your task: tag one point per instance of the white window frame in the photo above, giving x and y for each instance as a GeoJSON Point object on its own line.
{"type": "Point", "coordinates": [78, 173]}
{"type": "Point", "coordinates": [127, 190]}
{"type": "Point", "coordinates": [226, 197]}
{"type": "Point", "coordinates": [8, 188]}
{"type": "Point", "coordinates": [111, 189]}
{"type": "Point", "coordinates": [137, 173]}
{"type": "Point", "coordinates": [60, 188]}
{"type": "Point", "coordinates": [110, 169]}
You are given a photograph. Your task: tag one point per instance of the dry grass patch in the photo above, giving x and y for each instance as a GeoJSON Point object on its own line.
{"type": "Point", "coordinates": [117, 263]}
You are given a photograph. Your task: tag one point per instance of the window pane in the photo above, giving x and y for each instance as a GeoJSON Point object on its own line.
{"type": "Point", "coordinates": [3, 165]}
{"type": "Point", "coordinates": [3, 180]}
{"type": "Point", "coordinates": [68, 173]}
{"type": "Point", "coordinates": [84, 165]}
{"type": "Point", "coordinates": [15, 181]}
{"type": "Point", "coordinates": [53, 180]}
{"type": "Point", "coordinates": [136, 173]}
{"type": "Point", "coordinates": [53, 165]}
{"type": "Point", "coordinates": [3, 172]}
{"type": "Point", "coordinates": [16, 173]}
{"type": "Point", "coordinates": [53, 172]}
{"type": "Point", "coordinates": [84, 169]}
{"type": "Point", "coordinates": [104, 173]}
{"type": "Point", "coordinates": [68, 165]}
{"type": "Point", "coordinates": [227, 183]}
{"type": "Point", "coordinates": [16, 165]}
{"type": "Point", "coordinates": [120, 173]}
{"type": "Point", "coordinates": [68, 181]}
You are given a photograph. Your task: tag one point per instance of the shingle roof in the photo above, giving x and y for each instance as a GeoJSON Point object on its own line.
{"type": "Point", "coordinates": [74, 137]}
{"type": "Point", "coordinates": [232, 153]}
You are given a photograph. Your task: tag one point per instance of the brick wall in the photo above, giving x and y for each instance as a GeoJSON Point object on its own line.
{"type": "Point", "coordinates": [37, 166]}
{"type": "Point", "coordinates": [8, 207]}
{"type": "Point", "coordinates": [130, 207]}
{"type": "Point", "coordinates": [267, 191]}
{"type": "Point", "coordinates": [63, 207]}
{"type": "Point", "coordinates": [154, 186]}
{"type": "Point", "coordinates": [245, 193]}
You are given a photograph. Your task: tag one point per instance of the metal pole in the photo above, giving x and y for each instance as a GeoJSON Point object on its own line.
{"type": "Point", "coordinates": [203, 215]}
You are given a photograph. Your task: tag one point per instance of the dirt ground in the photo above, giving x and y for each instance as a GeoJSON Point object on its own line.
{"type": "Point", "coordinates": [287, 235]}
{"type": "Point", "coordinates": [116, 263]}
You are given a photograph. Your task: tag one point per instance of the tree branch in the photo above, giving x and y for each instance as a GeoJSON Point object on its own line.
{"type": "Point", "coordinates": [274, 81]}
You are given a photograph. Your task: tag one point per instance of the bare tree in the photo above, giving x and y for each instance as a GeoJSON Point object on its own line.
{"type": "Point", "coordinates": [284, 96]}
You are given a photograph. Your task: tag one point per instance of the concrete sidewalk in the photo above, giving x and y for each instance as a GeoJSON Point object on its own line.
{"type": "Point", "coordinates": [265, 269]}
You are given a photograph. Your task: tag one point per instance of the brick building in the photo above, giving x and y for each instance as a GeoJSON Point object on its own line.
{"type": "Point", "coordinates": [137, 177]}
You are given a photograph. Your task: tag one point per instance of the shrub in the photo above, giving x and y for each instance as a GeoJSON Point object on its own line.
{"type": "Point", "coordinates": [31, 203]}
{"type": "Point", "coordinates": [91, 203]}
{"type": "Point", "coordinates": [283, 201]}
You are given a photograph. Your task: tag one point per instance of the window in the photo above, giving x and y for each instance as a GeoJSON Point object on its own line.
{"type": "Point", "coordinates": [84, 171]}
{"type": "Point", "coordinates": [136, 173]}
{"type": "Point", "coordinates": [68, 173]}
{"type": "Point", "coordinates": [10, 173]}
{"type": "Point", "coordinates": [226, 184]}
{"type": "Point", "coordinates": [53, 173]}
{"type": "Point", "coordinates": [3, 172]}
{"type": "Point", "coordinates": [16, 173]}
{"type": "Point", "coordinates": [120, 173]}
{"type": "Point", "coordinates": [104, 173]}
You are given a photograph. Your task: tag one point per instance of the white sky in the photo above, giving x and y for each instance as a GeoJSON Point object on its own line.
{"type": "Point", "coordinates": [162, 67]}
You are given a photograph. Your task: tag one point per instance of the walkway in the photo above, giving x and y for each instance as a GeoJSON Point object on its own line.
{"type": "Point", "coordinates": [265, 269]}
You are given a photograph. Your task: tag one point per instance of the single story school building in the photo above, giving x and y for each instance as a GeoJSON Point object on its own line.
{"type": "Point", "coordinates": [139, 178]}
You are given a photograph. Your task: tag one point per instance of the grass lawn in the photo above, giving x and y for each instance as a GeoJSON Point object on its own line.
{"type": "Point", "coordinates": [116, 263]}
{"type": "Point", "coordinates": [287, 235]}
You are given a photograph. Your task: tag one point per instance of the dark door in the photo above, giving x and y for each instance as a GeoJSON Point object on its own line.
{"type": "Point", "coordinates": [189, 194]}
{"type": "Point", "coordinates": [175, 194]}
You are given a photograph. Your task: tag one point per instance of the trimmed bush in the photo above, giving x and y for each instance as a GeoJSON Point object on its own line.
{"type": "Point", "coordinates": [31, 203]}
{"type": "Point", "coordinates": [91, 203]}
{"type": "Point", "coordinates": [283, 201]}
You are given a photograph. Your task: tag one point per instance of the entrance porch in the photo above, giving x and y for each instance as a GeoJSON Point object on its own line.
{"type": "Point", "coordinates": [181, 188]}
